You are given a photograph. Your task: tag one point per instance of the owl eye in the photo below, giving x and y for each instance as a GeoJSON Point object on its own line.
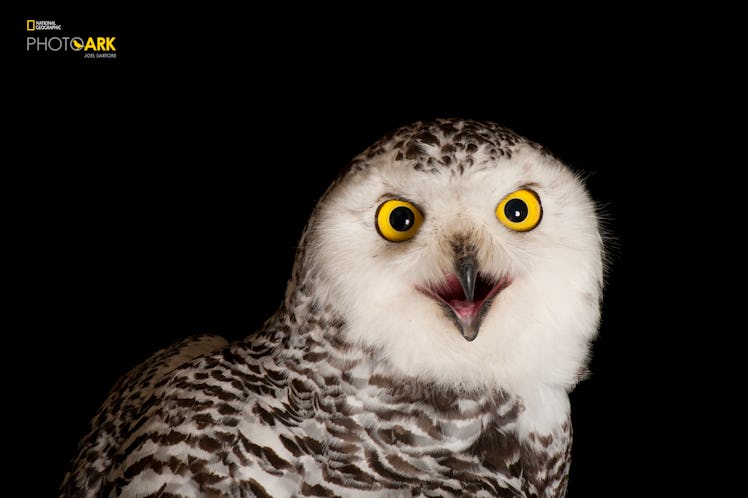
{"type": "Point", "coordinates": [520, 211]}
{"type": "Point", "coordinates": [398, 220]}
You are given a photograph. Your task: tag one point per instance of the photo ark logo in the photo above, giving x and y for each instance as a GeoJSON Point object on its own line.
{"type": "Point", "coordinates": [98, 46]}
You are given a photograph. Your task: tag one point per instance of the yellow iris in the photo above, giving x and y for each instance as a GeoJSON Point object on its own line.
{"type": "Point", "coordinates": [520, 211]}
{"type": "Point", "coordinates": [398, 220]}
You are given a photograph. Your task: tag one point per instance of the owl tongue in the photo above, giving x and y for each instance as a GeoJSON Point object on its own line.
{"type": "Point", "coordinates": [454, 295]}
{"type": "Point", "coordinates": [464, 309]}
{"type": "Point", "coordinates": [466, 313]}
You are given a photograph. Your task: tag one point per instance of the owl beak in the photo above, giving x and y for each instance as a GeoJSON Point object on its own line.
{"type": "Point", "coordinates": [466, 295]}
{"type": "Point", "coordinates": [466, 269]}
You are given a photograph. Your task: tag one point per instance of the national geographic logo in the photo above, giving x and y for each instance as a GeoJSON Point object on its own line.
{"type": "Point", "coordinates": [92, 47]}
{"type": "Point", "coordinates": [32, 25]}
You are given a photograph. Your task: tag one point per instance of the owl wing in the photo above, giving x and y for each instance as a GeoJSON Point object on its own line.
{"type": "Point", "coordinates": [128, 402]}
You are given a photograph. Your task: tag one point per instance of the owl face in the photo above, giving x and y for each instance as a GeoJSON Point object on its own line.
{"type": "Point", "coordinates": [462, 254]}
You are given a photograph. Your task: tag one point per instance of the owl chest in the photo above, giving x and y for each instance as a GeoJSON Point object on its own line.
{"type": "Point", "coordinates": [355, 429]}
{"type": "Point", "coordinates": [376, 441]}
{"type": "Point", "coordinates": [352, 430]}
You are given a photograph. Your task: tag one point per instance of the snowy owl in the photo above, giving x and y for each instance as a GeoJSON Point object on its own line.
{"type": "Point", "coordinates": [444, 296]}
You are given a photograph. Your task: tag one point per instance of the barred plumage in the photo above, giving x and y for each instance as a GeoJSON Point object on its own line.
{"type": "Point", "coordinates": [367, 381]}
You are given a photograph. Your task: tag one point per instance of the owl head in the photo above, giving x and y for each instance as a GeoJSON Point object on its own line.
{"type": "Point", "coordinates": [458, 252]}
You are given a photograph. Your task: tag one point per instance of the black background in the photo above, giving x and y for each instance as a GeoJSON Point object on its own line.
{"type": "Point", "coordinates": [162, 194]}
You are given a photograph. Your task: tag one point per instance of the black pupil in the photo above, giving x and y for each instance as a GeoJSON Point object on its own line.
{"type": "Point", "coordinates": [402, 219]}
{"type": "Point", "coordinates": [515, 210]}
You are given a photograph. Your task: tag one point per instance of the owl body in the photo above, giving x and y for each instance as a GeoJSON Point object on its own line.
{"type": "Point", "coordinates": [440, 309]}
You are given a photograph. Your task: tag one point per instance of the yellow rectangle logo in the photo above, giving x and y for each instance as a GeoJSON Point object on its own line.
{"type": "Point", "coordinates": [30, 25]}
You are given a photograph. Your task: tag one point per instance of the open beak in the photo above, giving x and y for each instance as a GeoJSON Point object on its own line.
{"type": "Point", "coordinates": [466, 295]}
